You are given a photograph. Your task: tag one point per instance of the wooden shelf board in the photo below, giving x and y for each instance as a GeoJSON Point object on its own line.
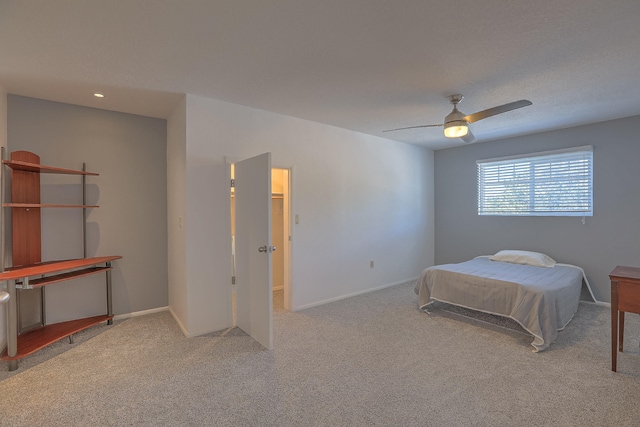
{"type": "Point", "coordinates": [18, 267]}
{"type": "Point", "coordinates": [45, 205]}
{"type": "Point", "coordinates": [34, 340]}
{"type": "Point", "coordinates": [49, 280]}
{"type": "Point", "coordinates": [35, 167]}
{"type": "Point", "coordinates": [18, 272]}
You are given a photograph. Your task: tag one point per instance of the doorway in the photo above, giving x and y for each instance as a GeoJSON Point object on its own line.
{"type": "Point", "coordinates": [280, 238]}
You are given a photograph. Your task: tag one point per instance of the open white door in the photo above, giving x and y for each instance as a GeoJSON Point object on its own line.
{"type": "Point", "coordinates": [254, 297]}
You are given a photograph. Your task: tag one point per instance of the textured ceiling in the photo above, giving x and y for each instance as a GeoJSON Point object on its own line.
{"type": "Point", "coordinates": [364, 65]}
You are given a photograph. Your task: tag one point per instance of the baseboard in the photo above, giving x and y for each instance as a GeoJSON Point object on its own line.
{"type": "Point", "coordinates": [184, 330]}
{"type": "Point", "coordinates": [366, 291]}
{"type": "Point", "coordinates": [180, 325]}
{"type": "Point", "coordinates": [140, 313]}
{"type": "Point", "coordinates": [596, 302]}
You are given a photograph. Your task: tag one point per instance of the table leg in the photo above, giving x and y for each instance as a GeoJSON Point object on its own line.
{"type": "Point", "coordinates": [12, 325]}
{"type": "Point", "coordinates": [109, 295]}
{"type": "Point", "coordinates": [621, 331]}
{"type": "Point", "coordinates": [614, 324]}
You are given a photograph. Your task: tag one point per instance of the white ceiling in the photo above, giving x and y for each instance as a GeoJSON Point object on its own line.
{"type": "Point", "coordinates": [364, 65]}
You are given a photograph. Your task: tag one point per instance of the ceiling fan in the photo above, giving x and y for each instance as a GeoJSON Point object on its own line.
{"type": "Point", "coordinates": [456, 123]}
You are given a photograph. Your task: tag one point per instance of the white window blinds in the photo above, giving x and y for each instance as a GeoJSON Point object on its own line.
{"type": "Point", "coordinates": [552, 183]}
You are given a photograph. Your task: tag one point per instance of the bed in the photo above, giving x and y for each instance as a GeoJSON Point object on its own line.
{"type": "Point", "coordinates": [528, 287]}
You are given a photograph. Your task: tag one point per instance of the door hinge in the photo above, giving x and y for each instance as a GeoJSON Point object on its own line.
{"type": "Point", "coordinates": [233, 183]}
{"type": "Point", "coordinates": [233, 280]}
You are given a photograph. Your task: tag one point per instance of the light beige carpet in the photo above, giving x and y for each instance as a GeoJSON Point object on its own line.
{"type": "Point", "coordinates": [370, 360]}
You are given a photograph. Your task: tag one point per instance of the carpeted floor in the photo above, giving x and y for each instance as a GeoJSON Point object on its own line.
{"type": "Point", "coordinates": [370, 360]}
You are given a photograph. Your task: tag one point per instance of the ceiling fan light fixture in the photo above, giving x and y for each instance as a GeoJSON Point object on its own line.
{"type": "Point", "coordinates": [456, 123]}
{"type": "Point", "coordinates": [456, 129]}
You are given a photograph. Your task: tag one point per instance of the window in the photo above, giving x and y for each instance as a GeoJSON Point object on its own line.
{"type": "Point", "coordinates": [552, 183]}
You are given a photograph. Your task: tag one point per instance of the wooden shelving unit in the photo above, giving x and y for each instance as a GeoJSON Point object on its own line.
{"type": "Point", "coordinates": [37, 339]}
{"type": "Point", "coordinates": [29, 166]}
{"type": "Point", "coordinates": [28, 271]}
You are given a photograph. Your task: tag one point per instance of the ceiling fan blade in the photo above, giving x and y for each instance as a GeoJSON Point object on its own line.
{"type": "Point", "coordinates": [412, 127]}
{"type": "Point", "coordinates": [468, 138]}
{"type": "Point", "coordinates": [497, 110]}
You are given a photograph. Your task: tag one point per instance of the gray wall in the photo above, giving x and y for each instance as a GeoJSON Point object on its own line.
{"type": "Point", "coordinates": [129, 153]}
{"type": "Point", "coordinates": [611, 237]}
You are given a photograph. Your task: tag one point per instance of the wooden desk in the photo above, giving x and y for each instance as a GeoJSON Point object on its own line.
{"type": "Point", "coordinates": [625, 297]}
{"type": "Point", "coordinates": [20, 345]}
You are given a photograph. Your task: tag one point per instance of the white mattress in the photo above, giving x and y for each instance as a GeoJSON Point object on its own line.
{"type": "Point", "coordinates": [542, 299]}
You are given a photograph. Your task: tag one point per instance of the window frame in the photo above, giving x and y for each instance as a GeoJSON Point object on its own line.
{"type": "Point", "coordinates": [537, 182]}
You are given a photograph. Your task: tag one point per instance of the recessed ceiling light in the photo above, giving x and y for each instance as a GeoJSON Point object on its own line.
{"type": "Point", "coordinates": [98, 95]}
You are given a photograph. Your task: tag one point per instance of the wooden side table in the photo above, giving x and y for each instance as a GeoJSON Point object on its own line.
{"type": "Point", "coordinates": [625, 297]}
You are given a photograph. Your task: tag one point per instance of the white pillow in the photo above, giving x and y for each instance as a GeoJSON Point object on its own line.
{"type": "Point", "coordinates": [524, 257]}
